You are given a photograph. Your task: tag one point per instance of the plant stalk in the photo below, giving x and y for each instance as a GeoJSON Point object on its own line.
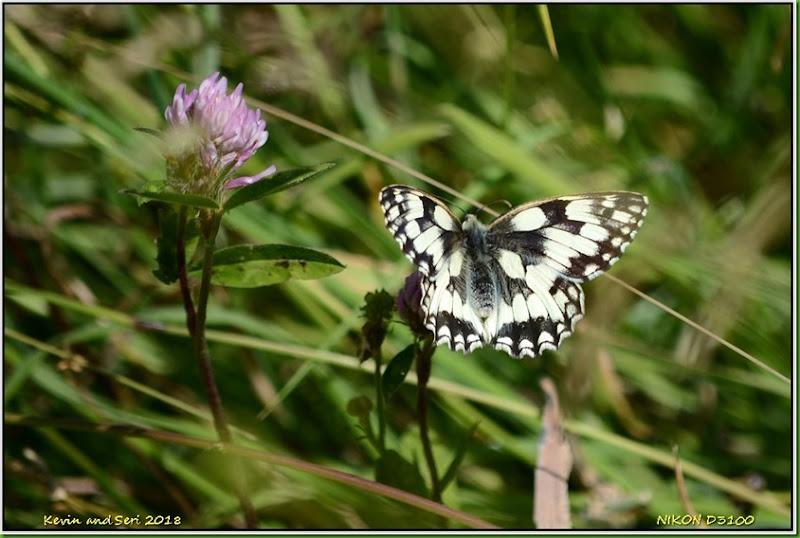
{"type": "Point", "coordinates": [378, 359]}
{"type": "Point", "coordinates": [183, 276]}
{"type": "Point", "coordinates": [210, 222]}
{"type": "Point", "coordinates": [423, 375]}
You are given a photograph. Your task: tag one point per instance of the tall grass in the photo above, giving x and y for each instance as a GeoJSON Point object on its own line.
{"type": "Point", "coordinates": [690, 105]}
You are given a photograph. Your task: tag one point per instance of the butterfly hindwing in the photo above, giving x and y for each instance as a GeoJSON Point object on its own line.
{"type": "Point", "coordinates": [535, 313]}
{"type": "Point", "coordinates": [449, 316]}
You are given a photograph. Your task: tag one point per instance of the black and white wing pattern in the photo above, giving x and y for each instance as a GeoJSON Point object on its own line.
{"type": "Point", "coordinates": [431, 237]}
{"type": "Point", "coordinates": [513, 284]}
{"type": "Point", "coordinates": [427, 231]}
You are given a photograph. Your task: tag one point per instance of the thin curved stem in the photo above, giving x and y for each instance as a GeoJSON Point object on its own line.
{"type": "Point", "coordinates": [423, 375]}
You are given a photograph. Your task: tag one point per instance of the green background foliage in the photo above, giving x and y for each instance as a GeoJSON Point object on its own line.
{"type": "Point", "coordinates": [690, 105]}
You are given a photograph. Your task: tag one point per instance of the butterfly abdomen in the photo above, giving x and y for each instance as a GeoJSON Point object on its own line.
{"type": "Point", "coordinates": [481, 284]}
{"type": "Point", "coordinates": [482, 289]}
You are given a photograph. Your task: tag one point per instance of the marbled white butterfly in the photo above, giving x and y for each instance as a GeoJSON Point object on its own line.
{"type": "Point", "coordinates": [514, 283]}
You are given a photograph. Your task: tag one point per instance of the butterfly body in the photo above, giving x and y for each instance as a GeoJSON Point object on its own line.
{"type": "Point", "coordinates": [512, 284]}
{"type": "Point", "coordinates": [482, 286]}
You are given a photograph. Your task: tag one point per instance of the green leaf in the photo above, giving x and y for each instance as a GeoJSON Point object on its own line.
{"type": "Point", "coordinates": [152, 132]}
{"type": "Point", "coordinates": [191, 200]}
{"type": "Point", "coordinates": [644, 82]}
{"type": "Point", "coordinates": [278, 182]}
{"type": "Point", "coordinates": [167, 245]}
{"type": "Point", "coordinates": [506, 151]}
{"type": "Point", "coordinates": [391, 469]}
{"type": "Point", "coordinates": [396, 370]}
{"type": "Point", "coordinates": [544, 15]}
{"type": "Point", "coordinates": [458, 458]}
{"type": "Point", "coordinates": [359, 407]}
{"type": "Point", "coordinates": [252, 266]}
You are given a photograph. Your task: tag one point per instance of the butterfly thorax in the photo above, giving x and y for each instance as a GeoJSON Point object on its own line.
{"type": "Point", "coordinates": [481, 287]}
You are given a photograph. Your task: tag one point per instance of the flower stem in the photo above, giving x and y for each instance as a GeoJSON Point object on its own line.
{"type": "Point", "coordinates": [210, 222]}
{"type": "Point", "coordinates": [423, 375]}
{"type": "Point", "coordinates": [199, 337]}
{"type": "Point", "coordinates": [380, 401]}
{"type": "Point", "coordinates": [183, 276]}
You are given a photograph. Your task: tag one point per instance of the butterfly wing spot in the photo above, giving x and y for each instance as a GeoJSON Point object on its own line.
{"type": "Point", "coordinates": [591, 268]}
{"type": "Point", "coordinates": [511, 264]}
{"type": "Point", "coordinates": [573, 244]}
{"type": "Point", "coordinates": [621, 216]}
{"type": "Point", "coordinates": [536, 306]}
{"type": "Point", "coordinates": [559, 255]}
{"type": "Point", "coordinates": [443, 218]}
{"type": "Point", "coordinates": [412, 229]}
{"type": "Point", "coordinates": [532, 219]}
{"type": "Point", "coordinates": [422, 240]}
{"type": "Point", "coordinates": [520, 308]}
{"type": "Point", "coordinates": [456, 263]}
{"type": "Point", "coordinates": [587, 210]}
{"type": "Point", "coordinates": [594, 232]}
{"type": "Point", "coordinates": [546, 341]}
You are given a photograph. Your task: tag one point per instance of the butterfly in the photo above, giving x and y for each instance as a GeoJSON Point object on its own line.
{"type": "Point", "coordinates": [514, 283]}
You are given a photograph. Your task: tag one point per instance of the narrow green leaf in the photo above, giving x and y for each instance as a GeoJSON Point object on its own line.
{"type": "Point", "coordinates": [271, 185]}
{"type": "Point", "coordinates": [152, 132]}
{"type": "Point", "coordinates": [167, 247]}
{"type": "Point", "coordinates": [461, 451]}
{"type": "Point", "coordinates": [252, 266]}
{"type": "Point", "coordinates": [505, 151]}
{"type": "Point", "coordinates": [391, 469]}
{"type": "Point", "coordinates": [544, 16]}
{"type": "Point", "coordinates": [645, 82]}
{"type": "Point", "coordinates": [396, 370]}
{"type": "Point", "coordinates": [191, 200]}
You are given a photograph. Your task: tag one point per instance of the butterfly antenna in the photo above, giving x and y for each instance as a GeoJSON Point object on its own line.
{"type": "Point", "coordinates": [452, 203]}
{"type": "Point", "coordinates": [485, 207]}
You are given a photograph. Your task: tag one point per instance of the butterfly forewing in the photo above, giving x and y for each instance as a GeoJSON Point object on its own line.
{"type": "Point", "coordinates": [513, 284]}
{"type": "Point", "coordinates": [426, 230]}
{"type": "Point", "coordinates": [580, 236]}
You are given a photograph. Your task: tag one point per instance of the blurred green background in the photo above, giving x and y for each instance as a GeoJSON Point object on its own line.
{"type": "Point", "coordinates": [689, 104]}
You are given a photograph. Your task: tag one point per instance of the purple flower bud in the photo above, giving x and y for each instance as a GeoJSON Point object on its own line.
{"type": "Point", "coordinates": [212, 135]}
{"type": "Point", "coordinates": [408, 303]}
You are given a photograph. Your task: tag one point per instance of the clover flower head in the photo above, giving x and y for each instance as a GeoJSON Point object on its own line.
{"type": "Point", "coordinates": [212, 134]}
